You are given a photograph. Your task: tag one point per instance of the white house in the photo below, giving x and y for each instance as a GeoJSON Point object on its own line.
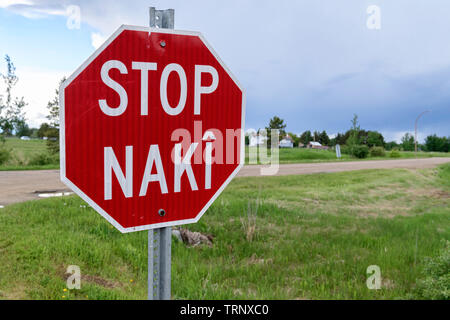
{"type": "Point", "coordinates": [314, 145]}
{"type": "Point", "coordinates": [286, 143]}
{"type": "Point", "coordinates": [257, 140]}
{"type": "Point", "coordinates": [317, 145]}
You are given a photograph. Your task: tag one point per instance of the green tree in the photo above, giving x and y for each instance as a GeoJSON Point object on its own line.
{"type": "Point", "coordinates": [438, 144]}
{"type": "Point", "coordinates": [362, 136]}
{"type": "Point", "coordinates": [324, 139]}
{"type": "Point", "coordinates": [23, 129]}
{"type": "Point", "coordinates": [306, 137]}
{"type": "Point", "coordinates": [53, 107]}
{"type": "Point", "coordinates": [353, 139]}
{"type": "Point", "coordinates": [391, 145]}
{"type": "Point", "coordinates": [33, 132]}
{"type": "Point", "coordinates": [275, 123]}
{"type": "Point", "coordinates": [43, 129]}
{"type": "Point", "coordinates": [375, 139]}
{"type": "Point", "coordinates": [11, 107]}
{"type": "Point", "coordinates": [53, 117]}
{"type": "Point", "coordinates": [316, 136]}
{"type": "Point", "coordinates": [408, 142]}
{"type": "Point", "coordinates": [341, 139]}
{"type": "Point", "coordinates": [295, 138]}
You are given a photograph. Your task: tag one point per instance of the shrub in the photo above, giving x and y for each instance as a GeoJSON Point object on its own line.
{"type": "Point", "coordinates": [394, 154]}
{"type": "Point", "coordinates": [436, 285]}
{"type": "Point", "coordinates": [5, 154]}
{"type": "Point", "coordinates": [345, 149]}
{"type": "Point", "coordinates": [377, 152]}
{"type": "Point", "coordinates": [17, 159]}
{"type": "Point", "coordinates": [42, 159]}
{"type": "Point", "coordinates": [444, 173]}
{"type": "Point", "coordinates": [360, 151]}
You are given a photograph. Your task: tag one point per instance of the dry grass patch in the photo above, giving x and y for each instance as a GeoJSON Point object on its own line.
{"type": "Point", "coordinates": [381, 209]}
{"type": "Point", "coordinates": [254, 260]}
{"type": "Point", "coordinates": [92, 279]}
{"type": "Point", "coordinates": [17, 292]}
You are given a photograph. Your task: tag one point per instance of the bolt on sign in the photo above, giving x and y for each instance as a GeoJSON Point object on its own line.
{"type": "Point", "coordinates": [151, 128]}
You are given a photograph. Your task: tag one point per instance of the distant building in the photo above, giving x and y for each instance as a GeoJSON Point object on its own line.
{"type": "Point", "coordinates": [316, 145]}
{"type": "Point", "coordinates": [313, 145]}
{"type": "Point", "coordinates": [301, 145]}
{"type": "Point", "coordinates": [286, 142]}
{"type": "Point", "coordinates": [256, 139]}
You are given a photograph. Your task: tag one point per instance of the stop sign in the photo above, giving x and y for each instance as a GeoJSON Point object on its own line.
{"type": "Point", "coordinates": [151, 128]}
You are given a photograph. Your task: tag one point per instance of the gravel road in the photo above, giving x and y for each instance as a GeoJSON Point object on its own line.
{"type": "Point", "coordinates": [18, 186]}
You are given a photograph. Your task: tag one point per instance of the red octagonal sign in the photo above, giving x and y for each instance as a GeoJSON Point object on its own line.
{"type": "Point", "coordinates": [151, 128]}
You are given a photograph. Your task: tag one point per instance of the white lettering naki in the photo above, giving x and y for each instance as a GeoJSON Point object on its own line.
{"type": "Point", "coordinates": [182, 167]}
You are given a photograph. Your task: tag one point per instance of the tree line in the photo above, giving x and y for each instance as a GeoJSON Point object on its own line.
{"type": "Point", "coordinates": [356, 136]}
{"type": "Point", "coordinates": [12, 116]}
{"type": "Point", "coordinates": [13, 120]}
{"type": "Point", "coordinates": [369, 138]}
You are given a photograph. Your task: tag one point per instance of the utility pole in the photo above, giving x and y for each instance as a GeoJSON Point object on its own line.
{"type": "Point", "coordinates": [160, 240]}
{"type": "Point", "coordinates": [415, 131]}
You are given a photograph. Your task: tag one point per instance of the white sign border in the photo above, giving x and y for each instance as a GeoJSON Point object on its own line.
{"type": "Point", "coordinates": [92, 203]}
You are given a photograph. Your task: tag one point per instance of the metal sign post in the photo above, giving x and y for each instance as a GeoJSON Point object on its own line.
{"type": "Point", "coordinates": [338, 151]}
{"type": "Point", "coordinates": [159, 263]}
{"type": "Point", "coordinates": [160, 240]}
{"type": "Point", "coordinates": [164, 19]}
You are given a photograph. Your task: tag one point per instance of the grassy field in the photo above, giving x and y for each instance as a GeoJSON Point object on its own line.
{"type": "Point", "coordinates": [291, 237]}
{"type": "Point", "coordinates": [303, 155]}
{"type": "Point", "coordinates": [23, 152]}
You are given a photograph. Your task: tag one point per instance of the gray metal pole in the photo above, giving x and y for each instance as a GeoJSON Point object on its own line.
{"type": "Point", "coordinates": [162, 18]}
{"type": "Point", "coordinates": [165, 263]}
{"type": "Point", "coordinates": [153, 264]}
{"type": "Point", "coordinates": [160, 240]}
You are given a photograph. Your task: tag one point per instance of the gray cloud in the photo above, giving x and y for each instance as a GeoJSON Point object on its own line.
{"type": "Point", "coordinates": [315, 63]}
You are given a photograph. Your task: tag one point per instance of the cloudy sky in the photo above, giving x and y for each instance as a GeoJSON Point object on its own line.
{"type": "Point", "coordinates": [313, 63]}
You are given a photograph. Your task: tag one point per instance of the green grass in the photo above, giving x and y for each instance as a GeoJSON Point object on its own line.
{"type": "Point", "coordinates": [313, 237]}
{"type": "Point", "coordinates": [304, 155]}
{"type": "Point", "coordinates": [22, 152]}
{"type": "Point", "coordinates": [298, 155]}
{"type": "Point", "coordinates": [26, 149]}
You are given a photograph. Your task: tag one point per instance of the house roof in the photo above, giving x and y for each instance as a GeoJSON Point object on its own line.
{"type": "Point", "coordinates": [314, 143]}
